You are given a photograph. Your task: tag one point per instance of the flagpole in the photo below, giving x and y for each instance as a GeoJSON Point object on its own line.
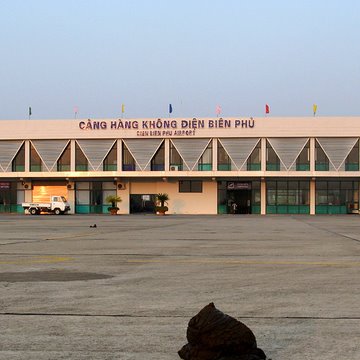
{"type": "Point", "coordinates": [75, 111]}
{"type": "Point", "coordinates": [218, 110]}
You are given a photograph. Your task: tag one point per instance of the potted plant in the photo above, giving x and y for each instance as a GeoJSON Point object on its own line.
{"type": "Point", "coordinates": [160, 207]}
{"type": "Point", "coordinates": [113, 200]}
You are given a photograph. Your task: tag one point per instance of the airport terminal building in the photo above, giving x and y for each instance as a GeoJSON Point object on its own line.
{"type": "Point", "coordinates": [293, 165]}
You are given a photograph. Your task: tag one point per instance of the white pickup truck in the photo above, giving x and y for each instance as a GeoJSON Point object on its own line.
{"type": "Point", "coordinates": [57, 206]}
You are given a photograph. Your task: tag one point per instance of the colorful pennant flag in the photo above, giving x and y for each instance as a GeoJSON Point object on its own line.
{"type": "Point", "coordinates": [267, 109]}
{"type": "Point", "coordinates": [122, 108]}
{"type": "Point", "coordinates": [314, 109]}
{"type": "Point", "coordinates": [218, 110]}
{"type": "Point", "coordinates": [29, 110]}
{"type": "Point", "coordinates": [170, 109]}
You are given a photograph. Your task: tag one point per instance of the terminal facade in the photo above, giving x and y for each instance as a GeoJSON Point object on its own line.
{"type": "Point", "coordinates": [297, 165]}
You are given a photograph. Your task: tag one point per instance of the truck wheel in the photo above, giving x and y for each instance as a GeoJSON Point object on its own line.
{"type": "Point", "coordinates": [33, 211]}
{"type": "Point", "coordinates": [57, 212]}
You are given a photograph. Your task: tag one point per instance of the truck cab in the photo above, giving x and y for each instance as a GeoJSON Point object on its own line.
{"type": "Point", "coordinates": [58, 205]}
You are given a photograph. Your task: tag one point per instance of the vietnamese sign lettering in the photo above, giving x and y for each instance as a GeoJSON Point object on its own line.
{"type": "Point", "coordinates": [163, 127]}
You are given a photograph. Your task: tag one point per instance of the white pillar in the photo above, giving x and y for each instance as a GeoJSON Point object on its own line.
{"type": "Point", "coordinates": [312, 196]}
{"type": "Point", "coordinates": [214, 154]}
{"type": "Point", "coordinates": [263, 196]}
{"type": "Point", "coordinates": [312, 154]}
{"type": "Point", "coordinates": [27, 156]}
{"type": "Point", "coordinates": [28, 195]}
{"type": "Point", "coordinates": [72, 155]}
{"type": "Point", "coordinates": [71, 196]}
{"type": "Point", "coordinates": [119, 155]}
{"type": "Point", "coordinates": [167, 154]}
{"type": "Point", "coordinates": [263, 154]}
{"type": "Point", "coordinates": [124, 193]}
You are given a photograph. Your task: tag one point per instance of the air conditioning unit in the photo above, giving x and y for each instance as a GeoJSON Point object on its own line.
{"type": "Point", "coordinates": [121, 186]}
{"type": "Point", "coordinates": [26, 185]}
{"type": "Point", "coordinates": [174, 168]}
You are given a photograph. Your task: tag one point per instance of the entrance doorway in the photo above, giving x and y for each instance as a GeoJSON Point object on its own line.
{"type": "Point", "coordinates": [238, 196]}
{"type": "Point", "coordinates": [142, 203]}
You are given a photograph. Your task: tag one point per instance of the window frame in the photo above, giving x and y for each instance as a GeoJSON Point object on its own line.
{"type": "Point", "coordinates": [190, 186]}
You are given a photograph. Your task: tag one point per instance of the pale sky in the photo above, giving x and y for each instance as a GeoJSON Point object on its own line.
{"type": "Point", "coordinates": [194, 54]}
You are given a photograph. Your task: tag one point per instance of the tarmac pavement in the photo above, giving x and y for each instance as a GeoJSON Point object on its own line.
{"type": "Point", "coordinates": [127, 288]}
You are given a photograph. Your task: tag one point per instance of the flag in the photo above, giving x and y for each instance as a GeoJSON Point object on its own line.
{"type": "Point", "coordinates": [29, 110]}
{"type": "Point", "coordinates": [122, 108]}
{"type": "Point", "coordinates": [218, 110]}
{"type": "Point", "coordinates": [314, 109]}
{"type": "Point", "coordinates": [267, 109]}
{"type": "Point", "coordinates": [170, 109]}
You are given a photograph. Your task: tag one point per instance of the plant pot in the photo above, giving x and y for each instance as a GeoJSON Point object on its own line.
{"type": "Point", "coordinates": [160, 213]}
{"type": "Point", "coordinates": [113, 212]}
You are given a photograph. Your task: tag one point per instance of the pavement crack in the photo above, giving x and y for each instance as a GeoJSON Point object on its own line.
{"type": "Point", "coordinates": [327, 230]}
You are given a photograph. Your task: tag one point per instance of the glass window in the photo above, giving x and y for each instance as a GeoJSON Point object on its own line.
{"type": "Point", "coordinates": [82, 197]}
{"type": "Point", "coordinates": [82, 185]}
{"type": "Point", "coordinates": [334, 197]}
{"type": "Point", "coordinates": [282, 185]}
{"type": "Point", "coordinates": [254, 162]}
{"type": "Point", "coordinates": [304, 185]}
{"type": "Point", "coordinates": [292, 192]}
{"type": "Point", "coordinates": [18, 164]}
{"type": "Point", "coordinates": [272, 160]}
{"type": "Point", "coordinates": [321, 160]}
{"type": "Point", "coordinates": [271, 196]}
{"type": "Point", "coordinates": [321, 197]}
{"type": "Point", "coordinates": [35, 161]}
{"type": "Point", "coordinates": [282, 198]}
{"type": "Point", "coordinates": [110, 162]}
{"type": "Point", "coordinates": [190, 186]}
{"type": "Point", "coordinates": [339, 193]}
{"type": "Point", "coordinates": [205, 161]}
{"type": "Point", "coordinates": [224, 161]}
{"type": "Point", "coordinates": [81, 162]}
{"type": "Point", "coordinates": [321, 185]}
{"type": "Point", "coordinates": [346, 184]}
{"type": "Point", "coordinates": [256, 194]}
{"type": "Point", "coordinates": [158, 160]}
{"type": "Point", "coordinates": [63, 164]}
{"type": "Point", "coordinates": [303, 160]}
{"type": "Point", "coordinates": [334, 185]}
{"type": "Point", "coordinates": [128, 161]}
{"type": "Point", "coordinates": [293, 184]}
{"type": "Point", "coordinates": [352, 160]}
{"type": "Point", "coordinates": [304, 197]}
{"type": "Point", "coordinates": [109, 185]}
{"type": "Point", "coordinates": [175, 158]}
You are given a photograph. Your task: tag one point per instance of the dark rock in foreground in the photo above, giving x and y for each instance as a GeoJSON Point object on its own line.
{"type": "Point", "coordinates": [213, 335]}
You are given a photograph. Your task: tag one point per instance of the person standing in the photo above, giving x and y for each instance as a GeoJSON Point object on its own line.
{"type": "Point", "coordinates": [234, 207]}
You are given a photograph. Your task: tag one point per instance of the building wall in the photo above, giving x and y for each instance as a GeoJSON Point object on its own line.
{"type": "Point", "coordinates": [263, 127]}
{"type": "Point", "coordinates": [144, 181]}
{"type": "Point", "coordinates": [180, 203]}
